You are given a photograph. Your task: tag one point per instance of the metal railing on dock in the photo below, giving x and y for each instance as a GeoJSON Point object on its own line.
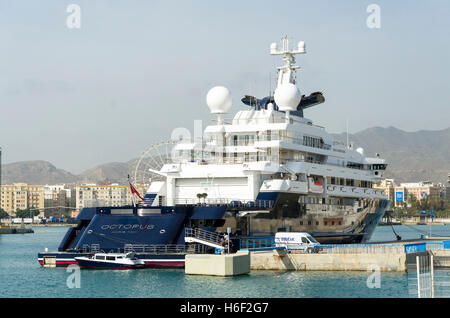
{"type": "Point", "coordinates": [259, 243]}
{"type": "Point", "coordinates": [256, 242]}
{"type": "Point", "coordinates": [427, 246]}
{"type": "Point", "coordinates": [424, 280]}
{"type": "Point", "coordinates": [361, 248]}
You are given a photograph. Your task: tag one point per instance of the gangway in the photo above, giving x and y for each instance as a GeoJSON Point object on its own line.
{"type": "Point", "coordinates": [203, 237]}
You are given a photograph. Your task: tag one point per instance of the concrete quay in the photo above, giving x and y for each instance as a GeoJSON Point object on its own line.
{"type": "Point", "coordinates": [218, 265]}
{"type": "Point", "coordinates": [280, 260]}
{"type": "Point", "coordinates": [385, 258]}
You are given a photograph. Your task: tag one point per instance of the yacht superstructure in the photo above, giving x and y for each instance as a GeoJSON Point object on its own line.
{"type": "Point", "coordinates": [271, 153]}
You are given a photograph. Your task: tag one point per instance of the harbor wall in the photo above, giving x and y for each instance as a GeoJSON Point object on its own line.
{"type": "Point", "coordinates": [279, 260]}
{"type": "Point", "coordinates": [15, 230]}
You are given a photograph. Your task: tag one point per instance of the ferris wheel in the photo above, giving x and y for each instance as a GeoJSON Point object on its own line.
{"type": "Point", "coordinates": [150, 161]}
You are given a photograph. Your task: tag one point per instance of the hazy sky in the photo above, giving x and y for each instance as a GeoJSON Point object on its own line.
{"type": "Point", "coordinates": [136, 70]}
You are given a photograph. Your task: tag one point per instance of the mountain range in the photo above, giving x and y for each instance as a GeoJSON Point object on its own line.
{"type": "Point", "coordinates": [411, 156]}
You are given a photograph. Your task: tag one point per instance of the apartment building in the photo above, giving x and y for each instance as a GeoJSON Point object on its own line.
{"type": "Point", "coordinates": [21, 196]}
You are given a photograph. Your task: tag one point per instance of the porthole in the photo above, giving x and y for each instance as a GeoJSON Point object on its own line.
{"type": "Point", "coordinates": [162, 231]}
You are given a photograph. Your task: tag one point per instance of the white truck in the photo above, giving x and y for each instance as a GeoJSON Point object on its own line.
{"type": "Point", "coordinates": [297, 241]}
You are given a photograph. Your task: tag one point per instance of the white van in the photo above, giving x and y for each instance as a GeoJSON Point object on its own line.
{"type": "Point", "coordinates": [296, 241]}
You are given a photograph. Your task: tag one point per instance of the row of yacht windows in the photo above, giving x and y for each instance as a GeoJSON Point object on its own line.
{"type": "Point", "coordinates": [349, 182]}
{"type": "Point", "coordinates": [361, 166]}
{"type": "Point", "coordinates": [337, 222]}
{"type": "Point", "coordinates": [313, 142]}
{"type": "Point", "coordinates": [270, 135]}
{"type": "Point", "coordinates": [266, 154]}
{"type": "Point", "coordinates": [330, 201]}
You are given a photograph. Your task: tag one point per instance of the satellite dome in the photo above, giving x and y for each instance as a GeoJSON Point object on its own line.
{"type": "Point", "coordinates": [219, 100]}
{"type": "Point", "coordinates": [360, 151]}
{"type": "Point", "coordinates": [287, 97]}
{"type": "Point", "coordinates": [273, 48]}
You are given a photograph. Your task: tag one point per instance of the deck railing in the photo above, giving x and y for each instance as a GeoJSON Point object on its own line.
{"type": "Point", "coordinates": [147, 248]}
{"type": "Point", "coordinates": [155, 249]}
{"type": "Point", "coordinates": [233, 203]}
{"type": "Point", "coordinates": [203, 235]}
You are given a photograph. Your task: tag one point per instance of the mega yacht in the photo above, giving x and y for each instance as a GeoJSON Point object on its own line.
{"type": "Point", "coordinates": [267, 169]}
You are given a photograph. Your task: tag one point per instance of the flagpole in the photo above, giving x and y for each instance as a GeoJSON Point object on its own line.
{"type": "Point", "coordinates": [132, 193]}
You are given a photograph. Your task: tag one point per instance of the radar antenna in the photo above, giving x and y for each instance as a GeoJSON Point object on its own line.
{"type": "Point", "coordinates": [287, 72]}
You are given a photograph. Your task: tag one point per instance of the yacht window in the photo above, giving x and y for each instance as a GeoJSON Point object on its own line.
{"type": "Point", "coordinates": [110, 258]}
{"type": "Point", "coordinates": [100, 257]}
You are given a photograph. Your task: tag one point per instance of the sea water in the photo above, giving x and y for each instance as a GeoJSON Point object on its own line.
{"type": "Point", "coordinates": [22, 276]}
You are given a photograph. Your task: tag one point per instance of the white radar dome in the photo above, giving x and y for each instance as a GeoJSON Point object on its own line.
{"type": "Point", "coordinates": [219, 100]}
{"type": "Point", "coordinates": [287, 97]}
{"type": "Point", "coordinates": [360, 151]}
